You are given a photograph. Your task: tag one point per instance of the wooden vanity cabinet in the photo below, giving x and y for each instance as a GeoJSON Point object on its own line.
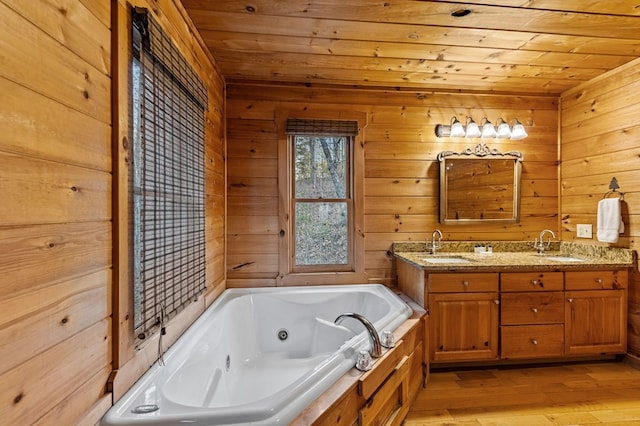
{"type": "Point", "coordinates": [483, 316]}
{"type": "Point", "coordinates": [531, 315]}
{"type": "Point", "coordinates": [595, 312]}
{"type": "Point", "coordinates": [463, 315]}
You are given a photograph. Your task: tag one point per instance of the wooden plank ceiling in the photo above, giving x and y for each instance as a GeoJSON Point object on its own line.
{"type": "Point", "coordinates": [503, 46]}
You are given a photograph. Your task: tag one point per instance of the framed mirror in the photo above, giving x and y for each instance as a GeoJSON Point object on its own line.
{"type": "Point", "coordinates": [480, 185]}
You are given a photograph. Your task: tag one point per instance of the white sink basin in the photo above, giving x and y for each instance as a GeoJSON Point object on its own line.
{"type": "Point", "coordinates": [445, 260]}
{"type": "Point", "coordinates": [565, 258]}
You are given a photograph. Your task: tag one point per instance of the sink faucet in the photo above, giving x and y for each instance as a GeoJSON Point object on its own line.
{"type": "Point", "coordinates": [539, 244]}
{"type": "Point", "coordinates": [376, 346]}
{"type": "Point", "coordinates": [435, 245]}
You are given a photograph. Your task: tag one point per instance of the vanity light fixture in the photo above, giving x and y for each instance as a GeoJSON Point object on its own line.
{"type": "Point", "coordinates": [503, 130]}
{"type": "Point", "coordinates": [486, 130]}
{"type": "Point", "coordinates": [457, 129]}
{"type": "Point", "coordinates": [472, 131]}
{"type": "Point", "coordinates": [518, 132]}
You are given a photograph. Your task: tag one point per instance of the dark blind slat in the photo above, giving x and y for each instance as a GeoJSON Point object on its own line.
{"type": "Point", "coordinates": [296, 126]}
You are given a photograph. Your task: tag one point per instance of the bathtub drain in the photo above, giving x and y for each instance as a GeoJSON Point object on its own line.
{"type": "Point", "coordinates": [283, 334]}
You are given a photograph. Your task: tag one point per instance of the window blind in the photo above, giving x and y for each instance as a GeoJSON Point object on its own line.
{"type": "Point", "coordinates": [168, 179]}
{"type": "Point", "coordinates": [296, 126]}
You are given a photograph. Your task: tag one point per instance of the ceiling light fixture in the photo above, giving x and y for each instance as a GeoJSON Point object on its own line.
{"type": "Point", "coordinates": [486, 130]}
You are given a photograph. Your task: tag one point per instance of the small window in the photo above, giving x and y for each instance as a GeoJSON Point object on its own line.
{"type": "Point", "coordinates": [322, 203]}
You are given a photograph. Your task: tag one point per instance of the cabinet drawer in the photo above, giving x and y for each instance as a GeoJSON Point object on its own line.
{"type": "Point", "coordinates": [531, 281]}
{"type": "Point", "coordinates": [596, 280]}
{"type": "Point", "coordinates": [532, 341]}
{"type": "Point", "coordinates": [370, 381]}
{"type": "Point", "coordinates": [532, 308]}
{"type": "Point", "coordinates": [390, 404]}
{"type": "Point", "coordinates": [466, 282]}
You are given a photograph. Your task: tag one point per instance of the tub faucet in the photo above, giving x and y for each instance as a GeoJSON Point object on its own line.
{"type": "Point", "coordinates": [539, 244]}
{"type": "Point", "coordinates": [376, 346]}
{"type": "Point", "coordinates": [435, 245]}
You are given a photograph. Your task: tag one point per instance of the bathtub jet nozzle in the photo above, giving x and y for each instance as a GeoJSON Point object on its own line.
{"type": "Point", "coordinates": [376, 346]}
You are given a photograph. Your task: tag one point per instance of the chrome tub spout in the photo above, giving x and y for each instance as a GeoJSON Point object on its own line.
{"type": "Point", "coordinates": [376, 346]}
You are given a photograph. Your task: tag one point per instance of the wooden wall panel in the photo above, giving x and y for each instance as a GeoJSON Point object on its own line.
{"type": "Point", "coordinates": [400, 169]}
{"type": "Point", "coordinates": [72, 24]}
{"type": "Point", "coordinates": [55, 215]}
{"type": "Point", "coordinates": [55, 71]}
{"type": "Point", "coordinates": [31, 126]}
{"type": "Point", "coordinates": [57, 227]}
{"type": "Point", "coordinates": [62, 190]}
{"type": "Point", "coordinates": [599, 141]}
{"type": "Point", "coordinates": [38, 385]}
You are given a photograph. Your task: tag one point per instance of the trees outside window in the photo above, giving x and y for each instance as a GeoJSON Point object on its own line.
{"type": "Point", "coordinates": [322, 201]}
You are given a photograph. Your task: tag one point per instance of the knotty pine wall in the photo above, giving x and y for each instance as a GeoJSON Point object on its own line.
{"type": "Point", "coordinates": [57, 193]}
{"type": "Point", "coordinates": [55, 213]}
{"type": "Point", "coordinates": [599, 140]}
{"type": "Point", "coordinates": [401, 171]}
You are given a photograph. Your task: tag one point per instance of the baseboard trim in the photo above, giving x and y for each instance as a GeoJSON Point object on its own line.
{"type": "Point", "coordinates": [633, 361]}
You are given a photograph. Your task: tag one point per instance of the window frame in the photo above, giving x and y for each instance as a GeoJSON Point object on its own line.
{"type": "Point", "coordinates": [288, 274]}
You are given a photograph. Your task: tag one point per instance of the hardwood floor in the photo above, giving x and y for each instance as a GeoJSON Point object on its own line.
{"type": "Point", "coordinates": [573, 394]}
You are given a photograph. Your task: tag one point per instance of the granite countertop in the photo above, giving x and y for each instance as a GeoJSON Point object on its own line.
{"type": "Point", "coordinates": [516, 256]}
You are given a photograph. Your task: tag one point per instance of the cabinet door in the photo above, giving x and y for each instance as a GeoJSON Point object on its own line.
{"type": "Point", "coordinates": [464, 326]}
{"type": "Point", "coordinates": [595, 322]}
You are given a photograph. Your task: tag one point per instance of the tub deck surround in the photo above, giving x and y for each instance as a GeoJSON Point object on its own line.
{"type": "Point", "coordinates": [259, 356]}
{"type": "Point", "coordinates": [514, 256]}
{"type": "Point", "coordinates": [343, 402]}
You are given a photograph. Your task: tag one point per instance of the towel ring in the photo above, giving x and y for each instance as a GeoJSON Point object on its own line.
{"type": "Point", "coordinates": [614, 192]}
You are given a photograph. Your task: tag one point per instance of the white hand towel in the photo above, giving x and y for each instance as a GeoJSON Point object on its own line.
{"type": "Point", "coordinates": [609, 224]}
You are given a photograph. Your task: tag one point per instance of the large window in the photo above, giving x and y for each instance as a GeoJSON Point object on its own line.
{"type": "Point", "coordinates": [322, 195]}
{"type": "Point", "coordinates": [167, 177]}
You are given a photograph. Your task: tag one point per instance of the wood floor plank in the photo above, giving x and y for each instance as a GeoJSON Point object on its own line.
{"type": "Point", "coordinates": [573, 394]}
{"type": "Point", "coordinates": [573, 418]}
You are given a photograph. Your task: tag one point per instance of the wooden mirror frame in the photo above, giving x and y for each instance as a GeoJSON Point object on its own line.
{"type": "Point", "coordinates": [480, 153]}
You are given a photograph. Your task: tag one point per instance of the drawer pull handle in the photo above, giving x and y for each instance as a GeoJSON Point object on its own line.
{"type": "Point", "coordinates": [465, 283]}
{"type": "Point", "coordinates": [534, 310]}
{"type": "Point", "coordinates": [496, 301]}
{"type": "Point", "coordinates": [570, 300]}
{"type": "Point", "coordinates": [534, 282]}
{"type": "Point", "coordinates": [599, 281]}
{"type": "Point", "coordinates": [534, 341]}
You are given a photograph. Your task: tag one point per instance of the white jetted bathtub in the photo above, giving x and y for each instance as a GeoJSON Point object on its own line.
{"type": "Point", "coordinates": [259, 356]}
